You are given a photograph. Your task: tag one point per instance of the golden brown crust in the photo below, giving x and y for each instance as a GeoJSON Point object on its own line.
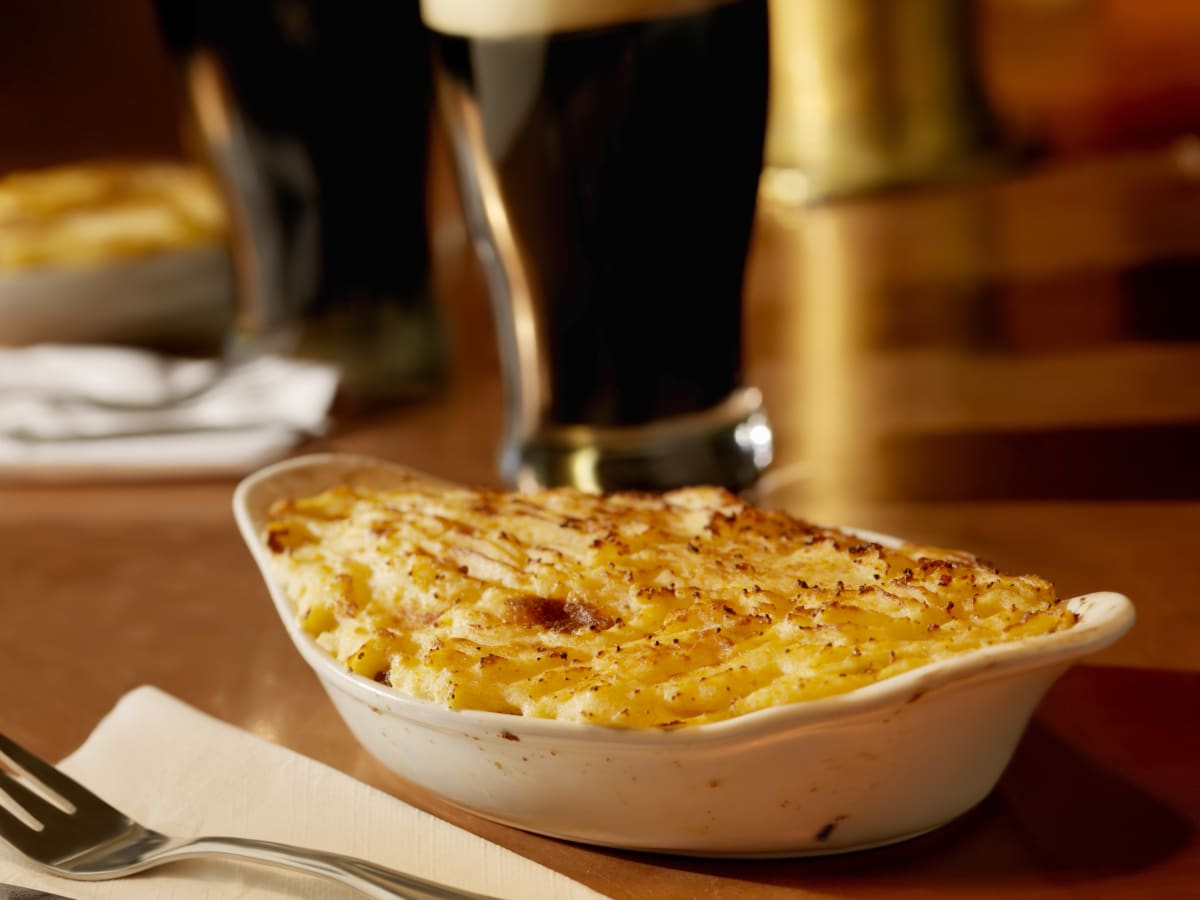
{"type": "Point", "coordinates": [630, 609]}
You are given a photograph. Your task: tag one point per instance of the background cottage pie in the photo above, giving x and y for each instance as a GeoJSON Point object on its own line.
{"type": "Point", "coordinates": [629, 609]}
{"type": "Point", "coordinates": [114, 252]}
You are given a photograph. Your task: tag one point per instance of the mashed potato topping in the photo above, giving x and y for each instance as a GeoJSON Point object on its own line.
{"type": "Point", "coordinates": [628, 610]}
{"type": "Point", "coordinates": [94, 213]}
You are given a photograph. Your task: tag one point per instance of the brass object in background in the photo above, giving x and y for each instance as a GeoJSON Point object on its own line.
{"type": "Point", "coordinates": [867, 95]}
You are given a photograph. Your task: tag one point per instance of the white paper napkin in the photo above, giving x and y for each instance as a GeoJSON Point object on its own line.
{"type": "Point", "coordinates": [106, 411]}
{"type": "Point", "coordinates": [185, 773]}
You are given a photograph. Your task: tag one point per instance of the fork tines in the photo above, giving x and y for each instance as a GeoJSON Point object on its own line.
{"type": "Point", "coordinates": [38, 795]}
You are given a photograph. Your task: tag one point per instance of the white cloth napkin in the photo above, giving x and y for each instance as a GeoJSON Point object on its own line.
{"type": "Point", "coordinates": [107, 411]}
{"type": "Point", "coordinates": [185, 773]}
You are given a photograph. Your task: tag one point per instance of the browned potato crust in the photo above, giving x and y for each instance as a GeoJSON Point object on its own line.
{"type": "Point", "coordinates": [627, 610]}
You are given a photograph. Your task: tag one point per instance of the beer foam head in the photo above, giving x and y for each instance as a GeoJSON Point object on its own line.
{"type": "Point", "coordinates": [516, 18]}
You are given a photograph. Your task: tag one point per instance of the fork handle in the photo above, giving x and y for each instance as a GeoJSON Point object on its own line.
{"type": "Point", "coordinates": [373, 880]}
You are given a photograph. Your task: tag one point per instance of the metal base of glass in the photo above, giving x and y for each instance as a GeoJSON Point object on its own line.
{"type": "Point", "coordinates": [729, 445]}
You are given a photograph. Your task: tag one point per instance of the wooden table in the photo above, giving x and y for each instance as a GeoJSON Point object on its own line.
{"type": "Point", "coordinates": [1011, 367]}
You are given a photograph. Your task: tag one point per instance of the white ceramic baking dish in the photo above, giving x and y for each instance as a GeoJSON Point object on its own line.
{"type": "Point", "coordinates": [860, 769]}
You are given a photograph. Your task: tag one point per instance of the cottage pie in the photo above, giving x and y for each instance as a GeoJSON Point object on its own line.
{"type": "Point", "coordinates": [628, 610]}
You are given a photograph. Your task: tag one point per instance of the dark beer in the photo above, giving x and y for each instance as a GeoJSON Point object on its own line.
{"type": "Point", "coordinates": [320, 148]}
{"type": "Point", "coordinates": [626, 155]}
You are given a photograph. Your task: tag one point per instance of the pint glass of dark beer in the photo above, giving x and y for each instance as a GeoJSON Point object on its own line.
{"type": "Point", "coordinates": [313, 116]}
{"type": "Point", "coordinates": [609, 156]}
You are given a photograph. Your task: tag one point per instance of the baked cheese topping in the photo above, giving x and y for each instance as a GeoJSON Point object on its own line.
{"type": "Point", "coordinates": [628, 610]}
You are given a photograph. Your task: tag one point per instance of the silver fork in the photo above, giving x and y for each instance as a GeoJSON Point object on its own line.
{"type": "Point", "coordinates": [69, 831]}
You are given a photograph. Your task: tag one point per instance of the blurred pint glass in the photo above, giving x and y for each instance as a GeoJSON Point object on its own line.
{"type": "Point", "coordinates": [313, 116]}
{"type": "Point", "coordinates": [609, 156]}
